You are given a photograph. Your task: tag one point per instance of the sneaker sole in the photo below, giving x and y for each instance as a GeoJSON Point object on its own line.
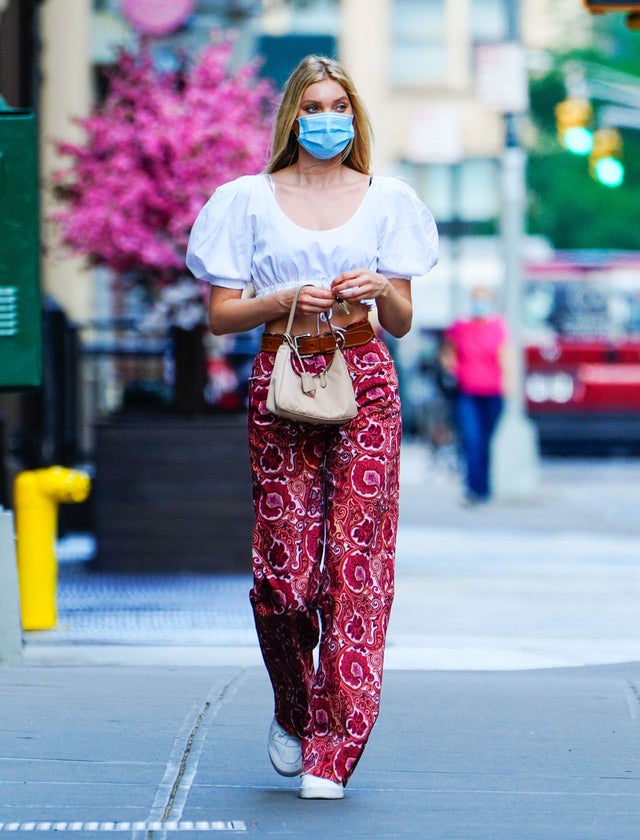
{"type": "Point", "coordinates": [320, 794]}
{"type": "Point", "coordinates": [311, 788]}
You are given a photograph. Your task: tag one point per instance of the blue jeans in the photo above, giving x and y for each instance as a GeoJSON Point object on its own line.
{"type": "Point", "coordinates": [477, 418]}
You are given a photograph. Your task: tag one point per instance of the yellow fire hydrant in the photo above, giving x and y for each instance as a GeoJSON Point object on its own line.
{"type": "Point", "coordinates": [36, 496]}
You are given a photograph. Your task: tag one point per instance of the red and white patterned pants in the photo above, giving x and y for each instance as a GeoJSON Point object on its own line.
{"type": "Point", "coordinates": [326, 505]}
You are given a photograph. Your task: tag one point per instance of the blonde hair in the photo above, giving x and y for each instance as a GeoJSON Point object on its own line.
{"type": "Point", "coordinates": [315, 68]}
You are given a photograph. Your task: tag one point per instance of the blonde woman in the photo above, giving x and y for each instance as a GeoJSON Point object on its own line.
{"type": "Point", "coordinates": [325, 497]}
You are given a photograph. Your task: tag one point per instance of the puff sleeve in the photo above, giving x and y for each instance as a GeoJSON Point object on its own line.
{"type": "Point", "coordinates": [221, 243]}
{"type": "Point", "coordinates": [407, 233]}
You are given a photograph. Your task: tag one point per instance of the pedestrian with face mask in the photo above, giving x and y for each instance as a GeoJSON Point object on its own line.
{"type": "Point", "coordinates": [474, 353]}
{"type": "Point", "coordinates": [317, 223]}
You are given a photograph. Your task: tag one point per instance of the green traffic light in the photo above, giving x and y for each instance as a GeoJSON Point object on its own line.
{"type": "Point", "coordinates": [578, 140]}
{"type": "Point", "coordinates": [609, 172]}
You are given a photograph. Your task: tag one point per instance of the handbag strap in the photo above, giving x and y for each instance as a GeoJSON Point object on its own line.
{"type": "Point", "coordinates": [292, 314]}
{"type": "Point", "coordinates": [292, 311]}
{"type": "Point", "coordinates": [290, 340]}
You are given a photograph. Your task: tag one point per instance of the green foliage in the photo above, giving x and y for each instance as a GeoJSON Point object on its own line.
{"type": "Point", "coordinates": [574, 211]}
{"type": "Point", "coordinates": [566, 204]}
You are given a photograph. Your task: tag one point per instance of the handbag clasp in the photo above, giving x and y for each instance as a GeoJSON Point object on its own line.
{"type": "Point", "coordinates": [339, 333]}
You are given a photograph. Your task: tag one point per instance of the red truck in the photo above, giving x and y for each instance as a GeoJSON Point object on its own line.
{"type": "Point", "coordinates": [581, 316]}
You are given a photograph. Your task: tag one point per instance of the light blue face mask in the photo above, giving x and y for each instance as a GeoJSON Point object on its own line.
{"type": "Point", "coordinates": [325, 135]}
{"type": "Point", "coordinates": [482, 308]}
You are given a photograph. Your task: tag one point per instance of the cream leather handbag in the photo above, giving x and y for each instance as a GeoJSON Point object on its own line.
{"type": "Point", "coordinates": [325, 397]}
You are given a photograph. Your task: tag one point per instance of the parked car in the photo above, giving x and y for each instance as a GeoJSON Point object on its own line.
{"type": "Point", "coordinates": [582, 334]}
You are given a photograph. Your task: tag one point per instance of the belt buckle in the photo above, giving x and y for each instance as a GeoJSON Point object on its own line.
{"type": "Point", "coordinates": [296, 339]}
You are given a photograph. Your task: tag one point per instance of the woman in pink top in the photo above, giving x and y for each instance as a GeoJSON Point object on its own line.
{"type": "Point", "coordinates": [474, 351]}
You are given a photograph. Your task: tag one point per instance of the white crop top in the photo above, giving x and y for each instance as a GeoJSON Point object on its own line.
{"type": "Point", "coordinates": [241, 235]}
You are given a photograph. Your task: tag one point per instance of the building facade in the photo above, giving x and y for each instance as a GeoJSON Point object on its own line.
{"type": "Point", "coordinates": [415, 62]}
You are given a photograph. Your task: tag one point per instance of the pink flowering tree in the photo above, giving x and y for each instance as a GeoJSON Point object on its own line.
{"type": "Point", "coordinates": [152, 154]}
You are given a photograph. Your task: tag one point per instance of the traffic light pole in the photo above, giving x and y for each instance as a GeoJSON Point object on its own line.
{"type": "Point", "coordinates": [514, 456]}
{"type": "Point", "coordinates": [514, 453]}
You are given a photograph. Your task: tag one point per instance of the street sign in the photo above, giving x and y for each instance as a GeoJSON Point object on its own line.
{"type": "Point", "coordinates": [501, 77]}
{"type": "Point", "coordinates": [435, 135]}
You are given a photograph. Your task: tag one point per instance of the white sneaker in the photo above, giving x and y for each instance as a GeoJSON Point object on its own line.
{"type": "Point", "coordinates": [285, 751]}
{"type": "Point", "coordinates": [313, 787]}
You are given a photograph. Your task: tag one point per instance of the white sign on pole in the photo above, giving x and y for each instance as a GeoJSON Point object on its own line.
{"type": "Point", "coordinates": [435, 135]}
{"type": "Point", "coordinates": [501, 77]}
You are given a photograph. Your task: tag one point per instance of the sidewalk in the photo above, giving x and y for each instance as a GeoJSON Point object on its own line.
{"type": "Point", "coordinates": [145, 712]}
{"type": "Point", "coordinates": [163, 752]}
{"type": "Point", "coordinates": [551, 582]}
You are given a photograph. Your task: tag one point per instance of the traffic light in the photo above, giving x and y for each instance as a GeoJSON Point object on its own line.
{"type": "Point", "coordinates": [599, 7]}
{"type": "Point", "coordinates": [573, 121]}
{"type": "Point", "coordinates": [605, 160]}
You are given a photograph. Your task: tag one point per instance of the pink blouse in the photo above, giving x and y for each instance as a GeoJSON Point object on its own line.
{"type": "Point", "coordinates": [478, 343]}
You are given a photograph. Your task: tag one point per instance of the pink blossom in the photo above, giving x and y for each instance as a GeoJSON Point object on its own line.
{"type": "Point", "coordinates": [152, 155]}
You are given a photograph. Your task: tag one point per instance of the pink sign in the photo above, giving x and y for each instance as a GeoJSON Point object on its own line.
{"type": "Point", "coordinates": [156, 17]}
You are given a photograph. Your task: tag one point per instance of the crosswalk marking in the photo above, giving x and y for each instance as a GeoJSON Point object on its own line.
{"type": "Point", "coordinates": [180, 825]}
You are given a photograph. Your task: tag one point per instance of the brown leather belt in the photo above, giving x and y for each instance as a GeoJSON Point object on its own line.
{"type": "Point", "coordinates": [308, 345]}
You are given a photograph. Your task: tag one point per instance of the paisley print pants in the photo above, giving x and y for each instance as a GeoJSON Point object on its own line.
{"type": "Point", "coordinates": [326, 505]}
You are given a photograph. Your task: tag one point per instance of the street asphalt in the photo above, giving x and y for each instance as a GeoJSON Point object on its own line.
{"type": "Point", "coordinates": [511, 702]}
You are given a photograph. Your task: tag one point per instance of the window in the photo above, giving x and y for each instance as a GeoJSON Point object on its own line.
{"type": "Point", "coordinates": [479, 193]}
{"type": "Point", "coordinates": [281, 53]}
{"type": "Point", "coordinates": [489, 21]}
{"type": "Point", "coordinates": [468, 192]}
{"type": "Point", "coordinates": [418, 42]}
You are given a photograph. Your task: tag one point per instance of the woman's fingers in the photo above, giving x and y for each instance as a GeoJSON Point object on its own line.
{"type": "Point", "coordinates": [315, 299]}
{"type": "Point", "coordinates": [359, 284]}
{"type": "Point", "coordinates": [349, 284]}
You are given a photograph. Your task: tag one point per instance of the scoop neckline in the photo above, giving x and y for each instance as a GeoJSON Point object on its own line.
{"type": "Point", "coordinates": [268, 186]}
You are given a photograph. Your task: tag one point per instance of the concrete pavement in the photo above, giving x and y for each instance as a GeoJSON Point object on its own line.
{"type": "Point", "coordinates": [551, 582]}
{"type": "Point", "coordinates": [485, 732]}
{"type": "Point", "coordinates": [162, 752]}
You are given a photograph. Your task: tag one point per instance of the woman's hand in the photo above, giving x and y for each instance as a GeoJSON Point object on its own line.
{"type": "Point", "coordinates": [230, 311]}
{"type": "Point", "coordinates": [312, 300]}
{"type": "Point", "coordinates": [392, 296]}
{"type": "Point", "coordinates": [359, 284]}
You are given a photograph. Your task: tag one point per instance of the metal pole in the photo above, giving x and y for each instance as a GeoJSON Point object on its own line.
{"type": "Point", "coordinates": [454, 239]}
{"type": "Point", "coordinates": [513, 178]}
{"type": "Point", "coordinates": [514, 452]}
{"type": "Point", "coordinates": [10, 623]}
